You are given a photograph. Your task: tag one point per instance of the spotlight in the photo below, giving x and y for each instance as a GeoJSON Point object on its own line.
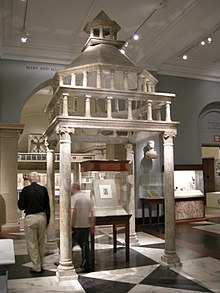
{"type": "Point", "coordinates": [209, 40]}
{"type": "Point", "coordinates": [135, 37]}
{"type": "Point", "coordinates": [185, 57]}
{"type": "Point", "coordinates": [24, 37]}
{"type": "Point", "coordinates": [202, 43]}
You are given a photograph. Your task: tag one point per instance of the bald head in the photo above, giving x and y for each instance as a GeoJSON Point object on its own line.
{"type": "Point", "coordinates": [34, 177]}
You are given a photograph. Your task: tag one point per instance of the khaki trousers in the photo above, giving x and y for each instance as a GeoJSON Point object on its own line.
{"type": "Point", "coordinates": [35, 228]}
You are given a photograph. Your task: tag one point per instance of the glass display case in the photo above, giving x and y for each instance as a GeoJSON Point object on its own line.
{"type": "Point", "coordinates": [106, 182]}
{"type": "Point", "coordinates": [151, 185]}
{"type": "Point", "coordinates": [189, 192]}
{"type": "Point", "coordinates": [188, 183]}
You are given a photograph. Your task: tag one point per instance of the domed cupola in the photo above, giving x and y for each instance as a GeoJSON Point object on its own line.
{"type": "Point", "coordinates": [102, 30]}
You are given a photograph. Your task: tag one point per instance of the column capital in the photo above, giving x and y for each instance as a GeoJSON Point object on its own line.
{"type": "Point", "coordinates": [64, 133]}
{"type": "Point", "coordinates": [51, 144]}
{"type": "Point", "coordinates": [169, 135]}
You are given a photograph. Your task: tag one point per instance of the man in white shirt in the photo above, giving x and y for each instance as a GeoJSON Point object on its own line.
{"type": "Point", "coordinates": [83, 223]}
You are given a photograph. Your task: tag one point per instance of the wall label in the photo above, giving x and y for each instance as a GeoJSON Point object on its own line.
{"type": "Point", "coordinates": [41, 68]}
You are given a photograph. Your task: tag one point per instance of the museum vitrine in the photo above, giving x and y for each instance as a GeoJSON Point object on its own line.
{"type": "Point", "coordinates": [189, 192]}
{"type": "Point", "coordinates": [106, 182]}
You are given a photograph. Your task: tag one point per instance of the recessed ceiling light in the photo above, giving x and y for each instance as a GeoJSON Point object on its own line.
{"type": "Point", "coordinates": [135, 37]}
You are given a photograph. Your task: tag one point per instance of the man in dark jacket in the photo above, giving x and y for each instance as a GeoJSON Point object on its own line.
{"type": "Point", "coordinates": [34, 200]}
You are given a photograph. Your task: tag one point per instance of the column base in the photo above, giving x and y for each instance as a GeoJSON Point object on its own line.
{"type": "Point", "coordinates": [133, 239]}
{"type": "Point", "coordinates": [170, 260]}
{"type": "Point", "coordinates": [66, 273]}
{"type": "Point", "coordinates": [10, 227]}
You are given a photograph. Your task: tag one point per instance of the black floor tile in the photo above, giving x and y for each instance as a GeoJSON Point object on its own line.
{"type": "Point", "coordinates": [164, 277]}
{"type": "Point", "coordinates": [103, 286]}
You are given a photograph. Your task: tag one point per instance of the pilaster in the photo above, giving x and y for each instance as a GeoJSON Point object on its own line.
{"type": "Point", "coordinates": [9, 215]}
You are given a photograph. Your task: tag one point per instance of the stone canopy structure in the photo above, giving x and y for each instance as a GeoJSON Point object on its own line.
{"type": "Point", "coordinates": [103, 96]}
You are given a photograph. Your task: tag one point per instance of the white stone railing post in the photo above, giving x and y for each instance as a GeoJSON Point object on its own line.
{"type": "Point", "coordinates": [117, 105]}
{"type": "Point", "coordinates": [149, 110]}
{"type": "Point", "coordinates": [112, 78]}
{"type": "Point", "coordinates": [129, 108]}
{"type": "Point", "coordinates": [109, 107]}
{"type": "Point", "coordinates": [139, 80]}
{"type": "Point", "coordinates": [168, 116]}
{"type": "Point", "coordinates": [158, 114]}
{"type": "Point", "coordinates": [87, 106]}
{"type": "Point", "coordinates": [60, 80]}
{"type": "Point", "coordinates": [99, 78]}
{"type": "Point", "coordinates": [145, 85]}
{"type": "Point", "coordinates": [101, 31]}
{"type": "Point", "coordinates": [73, 79]}
{"type": "Point", "coordinates": [65, 104]}
{"type": "Point", "coordinates": [125, 80]}
{"type": "Point", "coordinates": [91, 32]}
{"type": "Point", "coordinates": [85, 78]}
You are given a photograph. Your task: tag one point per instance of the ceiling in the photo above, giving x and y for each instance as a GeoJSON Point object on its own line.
{"type": "Point", "coordinates": [167, 29]}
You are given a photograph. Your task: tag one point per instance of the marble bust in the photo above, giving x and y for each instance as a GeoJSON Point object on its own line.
{"type": "Point", "coordinates": [150, 152]}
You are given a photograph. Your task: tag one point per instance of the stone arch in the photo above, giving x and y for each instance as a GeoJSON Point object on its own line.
{"type": "Point", "coordinates": [209, 124]}
{"type": "Point", "coordinates": [32, 114]}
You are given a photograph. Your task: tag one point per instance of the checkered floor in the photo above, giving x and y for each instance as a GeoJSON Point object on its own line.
{"type": "Point", "coordinates": [198, 252]}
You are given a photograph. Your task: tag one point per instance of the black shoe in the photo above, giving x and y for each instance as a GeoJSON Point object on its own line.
{"type": "Point", "coordinates": [83, 264]}
{"type": "Point", "coordinates": [35, 272]}
{"type": "Point", "coordinates": [88, 270]}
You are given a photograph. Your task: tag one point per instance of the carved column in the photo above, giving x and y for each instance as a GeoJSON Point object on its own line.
{"type": "Point", "coordinates": [170, 257]}
{"type": "Point", "coordinates": [51, 244]}
{"type": "Point", "coordinates": [65, 269]}
{"type": "Point", "coordinates": [131, 196]}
